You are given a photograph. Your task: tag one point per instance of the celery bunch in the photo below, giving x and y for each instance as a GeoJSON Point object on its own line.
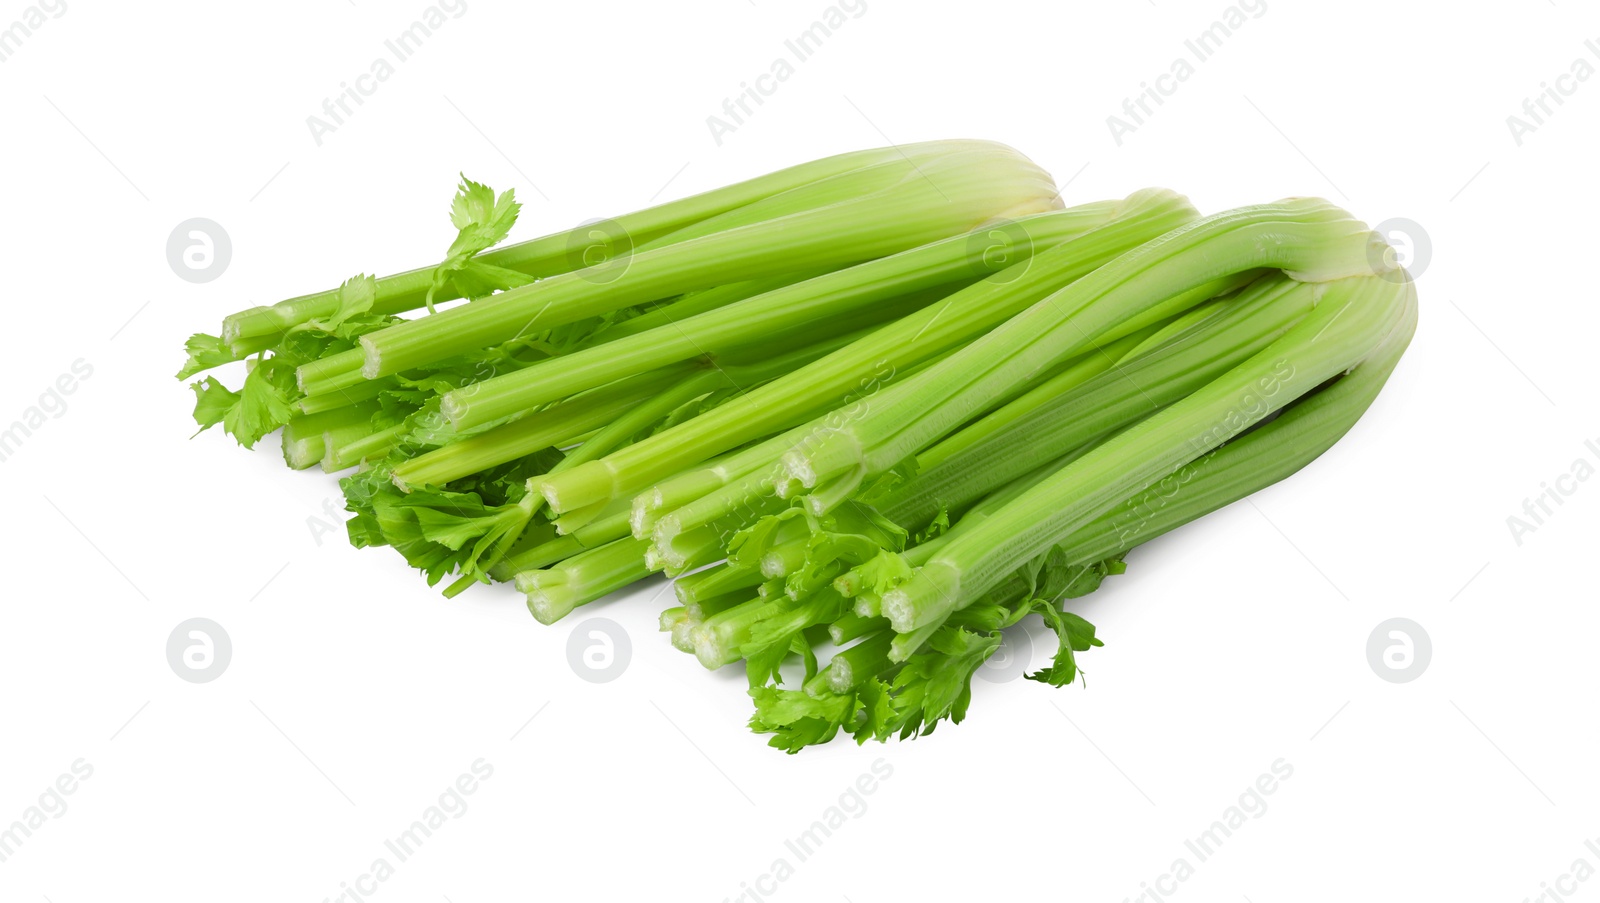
{"type": "Point", "coordinates": [869, 411]}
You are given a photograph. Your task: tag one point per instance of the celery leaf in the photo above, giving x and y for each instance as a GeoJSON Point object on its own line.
{"type": "Point", "coordinates": [482, 221]}
{"type": "Point", "coordinates": [205, 352]}
{"type": "Point", "coordinates": [212, 401]}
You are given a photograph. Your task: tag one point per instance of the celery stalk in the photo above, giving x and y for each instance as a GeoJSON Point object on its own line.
{"type": "Point", "coordinates": [1354, 319]}
{"type": "Point", "coordinates": [306, 437]}
{"type": "Point", "coordinates": [947, 263]}
{"type": "Point", "coordinates": [1309, 238]}
{"type": "Point", "coordinates": [1066, 413]}
{"type": "Point", "coordinates": [555, 591]}
{"type": "Point", "coordinates": [875, 359]}
{"type": "Point", "coordinates": [942, 196]}
{"type": "Point", "coordinates": [550, 255]}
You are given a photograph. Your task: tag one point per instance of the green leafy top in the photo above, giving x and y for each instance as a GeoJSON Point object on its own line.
{"type": "Point", "coordinates": [356, 297]}
{"type": "Point", "coordinates": [267, 399]}
{"type": "Point", "coordinates": [205, 351]}
{"type": "Point", "coordinates": [908, 700]}
{"type": "Point", "coordinates": [463, 528]}
{"type": "Point", "coordinates": [263, 404]}
{"type": "Point", "coordinates": [482, 221]}
{"type": "Point", "coordinates": [935, 683]}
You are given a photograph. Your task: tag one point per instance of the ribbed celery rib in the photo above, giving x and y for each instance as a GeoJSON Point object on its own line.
{"type": "Point", "coordinates": [551, 254]}
{"type": "Point", "coordinates": [1062, 415]}
{"type": "Point", "coordinates": [1354, 318]}
{"type": "Point", "coordinates": [560, 424]}
{"type": "Point", "coordinates": [1299, 435]}
{"type": "Point", "coordinates": [876, 359]}
{"type": "Point", "coordinates": [820, 300]}
{"type": "Point", "coordinates": [1310, 239]}
{"type": "Point", "coordinates": [306, 437]}
{"type": "Point", "coordinates": [940, 197]}
{"type": "Point", "coordinates": [1305, 428]}
{"type": "Point", "coordinates": [555, 591]}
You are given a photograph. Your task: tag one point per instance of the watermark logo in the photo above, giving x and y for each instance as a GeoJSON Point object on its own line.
{"type": "Point", "coordinates": [199, 650]}
{"type": "Point", "coordinates": [198, 250]}
{"type": "Point", "coordinates": [599, 650]}
{"type": "Point", "coordinates": [1405, 244]}
{"type": "Point", "coordinates": [1000, 251]}
{"type": "Point", "coordinates": [599, 250]}
{"type": "Point", "coordinates": [1011, 659]}
{"type": "Point", "coordinates": [1399, 650]}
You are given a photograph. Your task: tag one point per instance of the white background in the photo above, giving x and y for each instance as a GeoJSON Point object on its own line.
{"type": "Point", "coordinates": [355, 695]}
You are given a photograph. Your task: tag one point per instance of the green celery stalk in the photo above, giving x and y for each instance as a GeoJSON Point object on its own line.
{"type": "Point", "coordinates": [340, 373]}
{"type": "Point", "coordinates": [1355, 318]}
{"type": "Point", "coordinates": [869, 362]}
{"type": "Point", "coordinates": [332, 374]}
{"type": "Point", "coordinates": [852, 626]}
{"type": "Point", "coordinates": [1255, 460]}
{"type": "Point", "coordinates": [551, 427]}
{"type": "Point", "coordinates": [695, 303]}
{"type": "Point", "coordinates": [554, 254]}
{"type": "Point", "coordinates": [369, 447]}
{"type": "Point", "coordinates": [671, 618]}
{"type": "Point", "coordinates": [645, 403]}
{"type": "Point", "coordinates": [1108, 353]}
{"type": "Point", "coordinates": [1260, 457]}
{"type": "Point", "coordinates": [673, 492]}
{"type": "Point", "coordinates": [555, 591]}
{"type": "Point", "coordinates": [923, 202]}
{"type": "Point", "coordinates": [738, 490]}
{"type": "Point", "coordinates": [717, 640]}
{"type": "Point", "coordinates": [947, 263]}
{"type": "Point", "coordinates": [536, 556]}
{"type": "Point", "coordinates": [339, 398]}
{"type": "Point", "coordinates": [306, 437]}
{"type": "Point", "coordinates": [1309, 238]}
{"type": "Point", "coordinates": [854, 665]}
{"type": "Point", "coordinates": [719, 580]}
{"type": "Point", "coordinates": [1065, 413]}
